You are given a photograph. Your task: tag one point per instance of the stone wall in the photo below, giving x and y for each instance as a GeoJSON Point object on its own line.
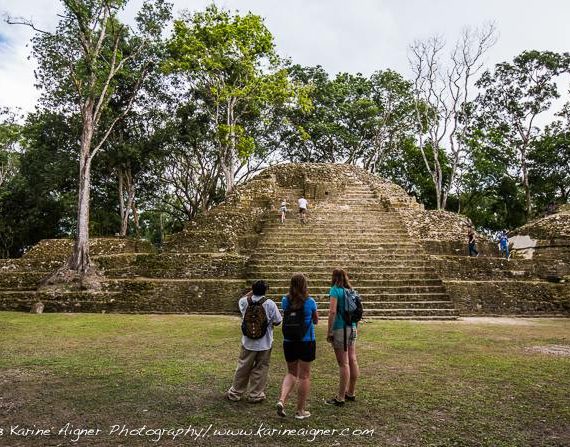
{"type": "Point", "coordinates": [217, 296]}
{"type": "Point", "coordinates": [203, 268]}
{"type": "Point", "coordinates": [524, 298]}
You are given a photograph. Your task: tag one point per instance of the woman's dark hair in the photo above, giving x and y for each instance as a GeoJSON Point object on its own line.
{"type": "Point", "coordinates": [340, 279]}
{"type": "Point", "coordinates": [298, 291]}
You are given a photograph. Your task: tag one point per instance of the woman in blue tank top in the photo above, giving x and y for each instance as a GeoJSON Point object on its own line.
{"type": "Point", "coordinates": [342, 337]}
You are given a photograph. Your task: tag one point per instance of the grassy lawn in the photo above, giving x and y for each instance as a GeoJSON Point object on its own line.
{"type": "Point", "coordinates": [424, 384]}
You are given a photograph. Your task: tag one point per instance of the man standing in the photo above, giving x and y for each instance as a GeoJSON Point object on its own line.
{"type": "Point", "coordinates": [260, 314]}
{"type": "Point", "coordinates": [504, 244]}
{"type": "Point", "coordinates": [303, 209]}
{"type": "Point", "coordinates": [471, 242]}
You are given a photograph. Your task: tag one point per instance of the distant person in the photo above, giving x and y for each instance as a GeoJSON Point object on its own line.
{"type": "Point", "coordinates": [303, 204]}
{"type": "Point", "coordinates": [342, 336]}
{"type": "Point", "coordinates": [283, 210]}
{"type": "Point", "coordinates": [259, 314]}
{"type": "Point", "coordinates": [471, 243]}
{"type": "Point", "coordinates": [551, 208]}
{"type": "Point", "coordinates": [504, 244]}
{"type": "Point", "coordinates": [299, 344]}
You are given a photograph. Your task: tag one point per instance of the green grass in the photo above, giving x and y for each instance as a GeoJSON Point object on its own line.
{"type": "Point", "coordinates": [424, 384]}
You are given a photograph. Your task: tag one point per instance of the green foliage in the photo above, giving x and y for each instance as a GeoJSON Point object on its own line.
{"type": "Point", "coordinates": [38, 201]}
{"type": "Point", "coordinates": [550, 165]}
{"type": "Point", "coordinates": [514, 95]}
{"type": "Point", "coordinates": [229, 64]}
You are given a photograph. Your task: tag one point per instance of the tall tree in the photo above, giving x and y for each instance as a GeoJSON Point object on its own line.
{"type": "Point", "coordinates": [78, 67]}
{"type": "Point", "coordinates": [10, 134]}
{"type": "Point", "coordinates": [442, 94]}
{"type": "Point", "coordinates": [231, 60]}
{"type": "Point", "coordinates": [549, 163]}
{"type": "Point", "coordinates": [514, 95]}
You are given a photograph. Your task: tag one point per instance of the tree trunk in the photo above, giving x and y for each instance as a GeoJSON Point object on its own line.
{"type": "Point", "coordinates": [228, 170]}
{"type": "Point", "coordinates": [526, 185]}
{"type": "Point", "coordinates": [125, 208]}
{"type": "Point", "coordinates": [79, 261]}
{"type": "Point", "coordinates": [136, 218]}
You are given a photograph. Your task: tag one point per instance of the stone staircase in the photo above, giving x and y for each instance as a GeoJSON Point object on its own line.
{"type": "Point", "coordinates": [356, 232]}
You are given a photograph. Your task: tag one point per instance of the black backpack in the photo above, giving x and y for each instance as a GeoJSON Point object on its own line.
{"type": "Point", "coordinates": [254, 324]}
{"type": "Point", "coordinates": [294, 326]}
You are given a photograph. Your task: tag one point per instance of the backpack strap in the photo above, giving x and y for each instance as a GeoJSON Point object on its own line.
{"type": "Point", "coordinates": [261, 301]}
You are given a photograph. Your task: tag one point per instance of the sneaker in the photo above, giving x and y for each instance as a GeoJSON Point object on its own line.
{"type": "Point", "coordinates": [280, 409]}
{"type": "Point", "coordinates": [304, 415]}
{"type": "Point", "coordinates": [334, 401]}
{"type": "Point", "coordinates": [349, 398]}
{"type": "Point", "coordinates": [232, 397]}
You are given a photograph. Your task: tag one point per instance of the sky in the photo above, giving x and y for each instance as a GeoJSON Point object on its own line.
{"type": "Point", "coordinates": [341, 35]}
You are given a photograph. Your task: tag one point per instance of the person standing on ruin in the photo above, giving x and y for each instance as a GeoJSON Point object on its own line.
{"type": "Point", "coordinates": [303, 203]}
{"type": "Point", "coordinates": [283, 210]}
{"type": "Point", "coordinates": [504, 244]}
{"type": "Point", "coordinates": [471, 243]}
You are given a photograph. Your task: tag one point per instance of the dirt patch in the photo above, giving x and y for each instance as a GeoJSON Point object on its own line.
{"type": "Point", "coordinates": [558, 350]}
{"type": "Point", "coordinates": [505, 321]}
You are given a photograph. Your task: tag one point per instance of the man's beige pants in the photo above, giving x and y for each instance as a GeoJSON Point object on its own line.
{"type": "Point", "coordinates": [252, 368]}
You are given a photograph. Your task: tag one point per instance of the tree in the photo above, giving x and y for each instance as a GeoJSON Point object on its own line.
{"type": "Point", "coordinates": [513, 97]}
{"type": "Point", "coordinates": [441, 99]}
{"type": "Point", "coordinates": [38, 201]}
{"type": "Point", "coordinates": [10, 132]}
{"type": "Point", "coordinates": [230, 61]}
{"type": "Point", "coordinates": [78, 67]}
{"type": "Point", "coordinates": [549, 163]}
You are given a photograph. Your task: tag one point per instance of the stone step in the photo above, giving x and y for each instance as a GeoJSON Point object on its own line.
{"type": "Point", "coordinates": [404, 312]}
{"type": "Point", "coordinates": [371, 305]}
{"type": "Point", "coordinates": [21, 280]}
{"type": "Point", "coordinates": [284, 276]}
{"type": "Point", "coordinates": [282, 231]}
{"type": "Point", "coordinates": [338, 256]}
{"type": "Point", "coordinates": [274, 267]}
{"type": "Point", "coordinates": [335, 220]}
{"type": "Point", "coordinates": [279, 234]}
{"type": "Point", "coordinates": [378, 296]}
{"type": "Point", "coordinates": [322, 264]}
{"type": "Point", "coordinates": [322, 223]}
{"type": "Point", "coordinates": [372, 248]}
{"type": "Point", "coordinates": [323, 289]}
{"type": "Point", "coordinates": [338, 241]}
{"type": "Point", "coordinates": [340, 214]}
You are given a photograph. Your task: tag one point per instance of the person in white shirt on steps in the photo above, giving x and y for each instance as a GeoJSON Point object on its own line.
{"type": "Point", "coordinates": [303, 209]}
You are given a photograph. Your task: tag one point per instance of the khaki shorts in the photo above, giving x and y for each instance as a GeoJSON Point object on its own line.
{"type": "Point", "coordinates": [338, 337]}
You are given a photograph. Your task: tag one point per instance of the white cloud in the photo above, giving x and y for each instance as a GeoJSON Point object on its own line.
{"type": "Point", "coordinates": [341, 35]}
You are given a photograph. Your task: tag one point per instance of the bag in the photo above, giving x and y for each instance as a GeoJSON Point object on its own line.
{"type": "Point", "coordinates": [352, 307]}
{"type": "Point", "coordinates": [254, 324]}
{"type": "Point", "coordinates": [294, 326]}
{"type": "Point", "coordinates": [352, 312]}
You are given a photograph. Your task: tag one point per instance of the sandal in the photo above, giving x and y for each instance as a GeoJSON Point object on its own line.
{"type": "Point", "coordinates": [280, 409]}
{"type": "Point", "coordinates": [304, 415]}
